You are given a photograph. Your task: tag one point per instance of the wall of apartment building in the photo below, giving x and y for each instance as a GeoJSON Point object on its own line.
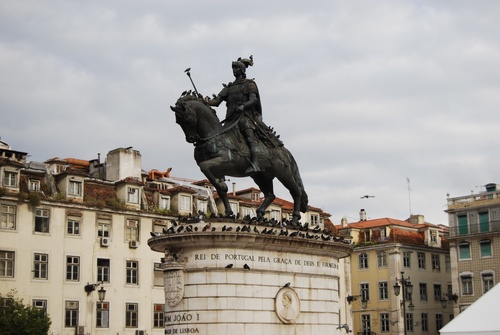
{"type": "Point", "coordinates": [57, 244]}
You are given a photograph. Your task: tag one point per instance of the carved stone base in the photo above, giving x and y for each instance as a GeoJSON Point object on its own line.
{"type": "Point", "coordinates": [228, 282]}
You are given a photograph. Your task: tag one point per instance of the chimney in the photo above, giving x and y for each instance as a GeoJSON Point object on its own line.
{"type": "Point", "coordinates": [343, 222]}
{"type": "Point", "coordinates": [122, 163]}
{"type": "Point", "coordinates": [416, 219]}
{"type": "Point", "coordinates": [234, 188]}
{"type": "Point", "coordinates": [362, 215]}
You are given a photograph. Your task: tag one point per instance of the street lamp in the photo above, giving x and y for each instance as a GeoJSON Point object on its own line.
{"type": "Point", "coordinates": [89, 288]}
{"type": "Point", "coordinates": [351, 298]}
{"type": "Point", "coordinates": [407, 291]}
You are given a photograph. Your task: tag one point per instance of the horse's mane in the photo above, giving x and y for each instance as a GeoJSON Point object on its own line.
{"type": "Point", "coordinates": [194, 97]}
{"type": "Point", "coordinates": [188, 96]}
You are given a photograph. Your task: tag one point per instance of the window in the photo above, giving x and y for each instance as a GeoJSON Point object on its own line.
{"type": "Point", "coordinates": [131, 315]}
{"type": "Point", "coordinates": [185, 203]}
{"type": "Point", "coordinates": [383, 234]}
{"type": "Point", "coordinates": [435, 263]}
{"type": "Point", "coordinates": [464, 250]}
{"type": "Point", "coordinates": [41, 266]}
{"type": "Point", "coordinates": [485, 248]}
{"type": "Point", "coordinates": [434, 236]}
{"type": "Point", "coordinates": [132, 230]}
{"type": "Point", "coordinates": [382, 259]}
{"type": "Point", "coordinates": [365, 291]}
{"type": "Point", "coordinates": [75, 188]}
{"type": "Point", "coordinates": [103, 270]}
{"type": "Point", "coordinates": [202, 206]}
{"type": "Point", "coordinates": [158, 316]}
{"type": "Point", "coordinates": [406, 259]}
{"type": "Point", "coordinates": [6, 264]}
{"type": "Point", "coordinates": [40, 305]}
{"type": "Point", "coordinates": [384, 322]}
{"type": "Point", "coordinates": [41, 220]}
{"type": "Point", "coordinates": [366, 324]}
{"type": "Point", "coordinates": [463, 225]}
{"type": "Point", "coordinates": [447, 262]}
{"type": "Point", "coordinates": [8, 217]}
{"type": "Point", "coordinates": [73, 226]}
{"type": "Point", "coordinates": [34, 185]}
{"type": "Point", "coordinates": [383, 291]}
{"type": "Point", "coordinates": [103, 227]}
{"type": "Point", "coordinates": [157, 275]}
{"type": "Point", "coordinates": [409, 322]}
{"type": "Point", "coordinates": [421, 260]}
{"type": "Point", "coordinates": [487, 279]}
{"type": "Point", "coordinates": [424, 317]}
{"type": "Point", "coordinates": [363, 261]}
{"type": "Point", "coordinates": [234, 207]}
{"type": "Point", "coordinates": [423, 291]}
{"type": "Point", "coordinates": [275, 215]}
{"type": "Point", "coordinates": [164, 202]}
{"type": "Point", "coordinates": [72, 268]}
{"type": "Point", "coordinates": [133, 195]}
{"type": "Point", "coordinates": [314, 219]}
{"type": "Point", "coordinates": [71, 314]}
{"type": "Point", "coordinates": [102, 315]}
{"type": "Point", "coordinates": [466, 284]}
{"type": "Point", "coordinates": [484, 222]}
{"type": "Point", "coordinates": [10, 179]}
{"type": "Point", "coordinates": [248, 212]}
{"type": "Point", "coordinates": [132, 272]}
{"type": "Point", "coordinates": [437, 292]}
{"type": "Point", "coordinates": [439, 321]}
{"type": "Point", "coordinates": [367, 236]}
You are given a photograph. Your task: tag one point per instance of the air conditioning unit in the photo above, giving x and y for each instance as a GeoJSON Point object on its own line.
{"type": "Point", "coordinates": [105, 241]}
{"type": "Point", "coordinates": [140, 332]}
{"type": "Point", "coordinates": [133, 244]}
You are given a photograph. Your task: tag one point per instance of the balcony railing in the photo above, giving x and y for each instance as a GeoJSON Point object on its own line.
{"type": "Point", "coordinates": [470, 199]}
{"type": "Point", "coordinates": [475, 228]}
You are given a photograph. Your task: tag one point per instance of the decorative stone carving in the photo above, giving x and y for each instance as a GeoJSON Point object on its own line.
{"type": "Point", "coordinates": [174, 287]}
{"type": "Point", "coordinates": [287, 305]}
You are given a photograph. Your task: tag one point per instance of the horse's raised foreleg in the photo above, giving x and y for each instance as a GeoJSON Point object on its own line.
{"type": "Point", "coordinates": [218, 181]}
{"type": "Point", "coordinates": [265, 184]}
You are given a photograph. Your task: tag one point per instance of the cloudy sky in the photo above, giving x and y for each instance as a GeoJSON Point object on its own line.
{"type": "Point", "coordinates": [394, 99]}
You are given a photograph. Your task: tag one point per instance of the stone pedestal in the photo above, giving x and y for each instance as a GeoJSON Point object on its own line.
{"type": "Point", "coordinates": [247, 282]}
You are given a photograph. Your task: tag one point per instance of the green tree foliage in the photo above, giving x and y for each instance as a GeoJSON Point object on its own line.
{"type": "Point", "coordinates": [16, 318]}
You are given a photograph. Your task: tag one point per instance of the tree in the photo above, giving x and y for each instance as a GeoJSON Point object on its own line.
{"type": "Point", "coordinates": [16, 318]}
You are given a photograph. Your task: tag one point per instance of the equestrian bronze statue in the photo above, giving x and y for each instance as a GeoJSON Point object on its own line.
{"type": "Point", "coordinates": [241, 145]}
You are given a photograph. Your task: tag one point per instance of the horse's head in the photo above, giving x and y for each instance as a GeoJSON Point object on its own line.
{"type": "Point", "coordinates": [195, 117]}
{"type": "Point", "coordinates": [187, 119]}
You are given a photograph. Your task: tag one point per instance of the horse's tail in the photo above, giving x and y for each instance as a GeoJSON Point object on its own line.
{"type": "Point", "coordinates": [304, 199]}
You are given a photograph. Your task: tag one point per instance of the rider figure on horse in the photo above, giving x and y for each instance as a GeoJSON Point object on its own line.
{"type": "Point", "coordinates": [243, 106]}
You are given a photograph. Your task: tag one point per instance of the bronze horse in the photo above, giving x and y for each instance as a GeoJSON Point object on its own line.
{"type": "Point", "coordinates": [221, 151]}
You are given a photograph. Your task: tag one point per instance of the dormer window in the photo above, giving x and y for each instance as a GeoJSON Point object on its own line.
{"type": "Point", "coordinates": [133, 195]}
{"type": "Point", "coordinates": [367, 236]}
{"type": "Point", "coordinates": [185, 203]}
{"type": "Point", "coordinates": [164, 202]}
{"type": "Point", "coordinates": [34, 185]}
{"type": "Point", "coordinates": [434, 236]}
{"type": "Point", "coordinates": [75, 188]}
{"type": "Point", "coordinates": [10, 179]}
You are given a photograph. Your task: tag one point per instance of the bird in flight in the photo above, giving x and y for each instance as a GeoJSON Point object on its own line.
{"type": "Point", "coordinates": [367, 196]}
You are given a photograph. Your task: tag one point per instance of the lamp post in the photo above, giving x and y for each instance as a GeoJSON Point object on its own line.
{"type": "Point", "coordinates": [407, 290]}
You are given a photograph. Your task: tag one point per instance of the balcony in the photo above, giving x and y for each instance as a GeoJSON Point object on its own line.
{"type": "Point", "coordinates": [475, 229]}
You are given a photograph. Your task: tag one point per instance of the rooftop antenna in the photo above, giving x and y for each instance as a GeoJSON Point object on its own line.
{"type": "Point", "coordinates": [409, 194]}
